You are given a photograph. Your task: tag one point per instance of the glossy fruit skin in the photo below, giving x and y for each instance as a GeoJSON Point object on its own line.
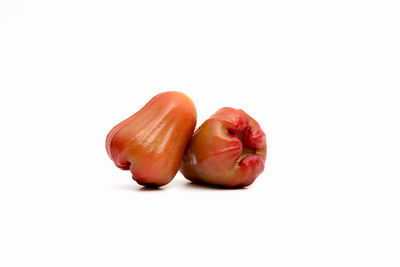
{"type": "Point", "coordinates": [227, 150]}
{"type": "Point", "coordinates": [151, 142]}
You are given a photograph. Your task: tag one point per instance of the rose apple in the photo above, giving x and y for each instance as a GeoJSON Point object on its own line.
{"type": "Point", "coordinates": [227, 150]}
{"type": "Point", "coordinates": [151, 142]}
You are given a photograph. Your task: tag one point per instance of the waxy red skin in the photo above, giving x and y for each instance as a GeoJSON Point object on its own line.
{"type": "Point", "coordinates": [227, 150]}
{"type": "Point", "coordinates": [151, 142]}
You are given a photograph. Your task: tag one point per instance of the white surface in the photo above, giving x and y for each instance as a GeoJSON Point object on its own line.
{"type": "Point", "coordinates": [321, 77]}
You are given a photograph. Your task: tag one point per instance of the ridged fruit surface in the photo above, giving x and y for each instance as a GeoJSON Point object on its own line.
{"type": "Point", "coordinates": [151, 142]}
{"type": "Point", "coordinates": [227, 150]}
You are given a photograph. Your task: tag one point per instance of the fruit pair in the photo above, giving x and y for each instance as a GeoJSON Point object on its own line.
{"type": "Point", "coordinates": [227, 150]}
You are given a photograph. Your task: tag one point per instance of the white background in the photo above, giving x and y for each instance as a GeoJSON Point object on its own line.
{"type": "Point", "coordinates": [321, 77]}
